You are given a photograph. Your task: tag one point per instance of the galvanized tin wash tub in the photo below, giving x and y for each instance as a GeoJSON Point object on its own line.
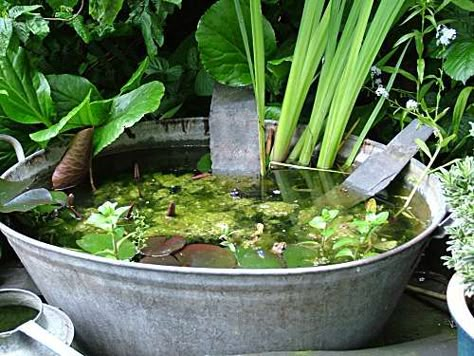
{"type": "Point", "coordinates": [123, 308]}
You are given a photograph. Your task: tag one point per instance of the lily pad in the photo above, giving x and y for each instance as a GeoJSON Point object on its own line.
{"type": "Point", "coordinates": [299, 256]}
{"type": "Point", "coordinates": [161, 247]}
{"type": "Point", "coordinates": [250, 258]}
{"type": "Point", "coordinates": [209, 256]}
{"type": "Point", "coordinates": [164, 261]}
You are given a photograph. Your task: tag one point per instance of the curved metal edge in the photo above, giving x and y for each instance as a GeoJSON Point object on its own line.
{"type": "Point", "coordinates": [415, 165]}
{"type": "Point", "coordinates": [19, 151]}
{"type": "Point", "coordinates": [457, 305]}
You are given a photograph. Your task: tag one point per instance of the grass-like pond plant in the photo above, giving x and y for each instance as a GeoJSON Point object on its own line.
{"type": "Point", "coordinates": [343, 49]}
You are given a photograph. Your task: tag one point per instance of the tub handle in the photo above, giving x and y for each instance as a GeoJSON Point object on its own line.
{"type": "Point", "coordinates": [20, 153]}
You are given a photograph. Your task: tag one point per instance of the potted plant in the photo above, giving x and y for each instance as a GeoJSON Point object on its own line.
{"type": "Point", "coordinates": [458, 185]}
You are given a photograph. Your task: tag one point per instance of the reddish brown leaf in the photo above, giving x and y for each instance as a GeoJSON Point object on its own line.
{"type": "Point", "coordinates": [203, 255]}
{"type": "Point", "coordinates": [160, 246]}
{"type": "Point", "coordinates": [76, 163]}
{"type": "Point", "coordinates": [164, 261]}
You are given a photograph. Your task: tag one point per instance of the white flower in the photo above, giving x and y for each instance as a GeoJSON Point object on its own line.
{"type": "Point", "coordinates": [378, 82]}
{"type": "Point", "coordinates": [471, 131]}
{"type": "Point", "coordinates": [411, 105]}
{"type": "Point", "coordinates": [381, 91]}
{"type": "Point", "coordinates": [445, 35]}
{"type": "Point", "coordinates": [375, 71]}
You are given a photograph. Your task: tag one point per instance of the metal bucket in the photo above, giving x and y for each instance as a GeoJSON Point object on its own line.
{"type": "Point", "coordinates": [124, 308]}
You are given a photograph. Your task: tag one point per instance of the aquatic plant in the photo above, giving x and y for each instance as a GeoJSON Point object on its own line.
{"type": "Point", "coordinates": [115, 242]}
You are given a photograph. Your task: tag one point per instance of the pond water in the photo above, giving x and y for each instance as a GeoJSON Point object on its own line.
{"type": "Point", "coordinates": [12, 316]}
{"type": "Point", "coordinates": [273, 223]}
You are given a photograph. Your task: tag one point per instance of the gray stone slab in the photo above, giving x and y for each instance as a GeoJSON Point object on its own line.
{"type": "Point", "coordinates": [379, 169]}
{"type": "Point", "coordinates": [233, 126]}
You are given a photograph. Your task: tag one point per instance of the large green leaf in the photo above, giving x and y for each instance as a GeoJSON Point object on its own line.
{"type": "Point", "coordinates": [126, 110]}
{"type": "Point", "coordinates": [467, 5]}
{"type": "Point", "coordinates": [28, 201]}
{"type": "Point", "coordinates": [68, 91]}
{"type": "Point", "coordinates": [6, 31]}
{"type": "Point", "coordinates": [101, 245]}
{"type": "Point", "coordinates": [105, 11]}
{"type": "Point", "coordinates": [28, 99]}
{"type": "Point", "coordinates": [135, 80]}
{"type": "Point", "coordinates": [82, 113]}
{"type": "Point", "coordinates": [16, 11]}
{"type": "Point", "coordinates": [221, 45]}
{"type": "Point", "coordinates": [14, 197]}
{"type": "Point", "coordinates": [11, 189]}
{"type": "Point", "coordinates": [459, 63]}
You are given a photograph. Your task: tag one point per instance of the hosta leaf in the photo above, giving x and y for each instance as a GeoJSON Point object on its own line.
{"type": "Point", "coordinates": [75, 164]}
{"type": "Point", "coordinates": [68, 91]}
{"type": "Point", "coordinates": [221, 45]}
{"type": "Point", "coordinates": [28, 100]}
{"type": "Point", "coordinates": [126, 110]}
{"type": "Point", "coordinates": [459, 63]}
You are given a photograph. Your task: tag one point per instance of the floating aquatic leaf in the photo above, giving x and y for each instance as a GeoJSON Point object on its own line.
{"type": "Point", "coordinates": [161, 247]}
{"type": "Point", "coordinates": [76, 163]}
{"type": "Point", "coordinates": [250, 258]}
{"type": "Point", "coordinates": [299, 256]}
{"type": "Point", "coordinates": [164, 261]}
{"type": "Point", "coordinates": [202, 255]}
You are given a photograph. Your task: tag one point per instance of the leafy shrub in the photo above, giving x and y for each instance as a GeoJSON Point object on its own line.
{"type": "Point", "coordinates": [458, 186]}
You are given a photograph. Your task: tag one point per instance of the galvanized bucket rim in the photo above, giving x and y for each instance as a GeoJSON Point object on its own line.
{"type": "Point", "coordinates": [222, 271]}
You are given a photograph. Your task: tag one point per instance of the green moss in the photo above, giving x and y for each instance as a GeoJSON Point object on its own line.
{"type": "Point", "coordinates": [242, 211]}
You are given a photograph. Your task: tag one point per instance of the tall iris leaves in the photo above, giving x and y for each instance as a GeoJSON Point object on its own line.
{"type": "Point", "coordinates": [349, 49]}
{"type": "Point", "coordinates": [312, 37]}
{"type": "Point", "coordinates": [256, 66]}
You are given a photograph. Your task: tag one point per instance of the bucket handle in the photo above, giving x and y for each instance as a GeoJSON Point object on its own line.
{"type": "Point", "coordinates": [20, 153]}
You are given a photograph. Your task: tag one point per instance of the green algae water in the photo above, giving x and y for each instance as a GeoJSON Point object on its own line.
{"type": "Point", "coordinates": [12, 316]}
{"type": "Point", "coordinates": [271, 223]}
